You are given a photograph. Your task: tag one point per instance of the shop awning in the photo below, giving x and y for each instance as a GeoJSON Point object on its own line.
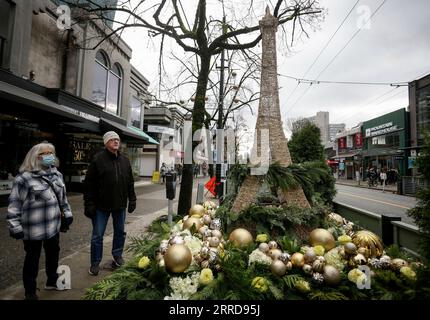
{"type": "Point", "coordinates": [345, 155]}
{"type": "Point", "coordinates": [135, 135]}
{"type": "Point", "coordinates": [144, 134]}
{"type": "Point", "coordinates": [23, 98]}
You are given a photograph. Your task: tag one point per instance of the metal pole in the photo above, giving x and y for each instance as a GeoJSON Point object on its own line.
{"type": "Point", "coordinates": [220, 118]}
{"type": "Point", "coordinates": [169, 212]}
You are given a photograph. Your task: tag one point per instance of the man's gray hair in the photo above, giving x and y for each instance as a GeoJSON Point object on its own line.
{"type": "Point", "coordinates": [31, 161]}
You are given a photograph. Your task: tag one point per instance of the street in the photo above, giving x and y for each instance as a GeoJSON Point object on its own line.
{"type": "Point", "coordinates": [376, 201]}
{"type": "Point", "coordinates": [150, 198]}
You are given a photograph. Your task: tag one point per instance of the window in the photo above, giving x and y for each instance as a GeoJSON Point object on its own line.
{"type": "Point", "coordinates": [136, 112]}
{"type": "Point", "coordinates": [107, 84]}
{"type": "Point", "coordinates": [6, 20]}
{"type": "Point", "coordinates": [388, 140]}
{"type": "Point", "coordinates": [423, 111]}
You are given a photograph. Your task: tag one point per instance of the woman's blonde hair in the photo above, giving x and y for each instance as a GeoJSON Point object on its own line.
{"type": "Point", "coordinates": [31, 161]}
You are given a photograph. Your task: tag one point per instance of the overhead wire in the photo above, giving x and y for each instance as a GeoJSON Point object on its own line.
{"type": "Point", "coordinates": [323, 49]}
{"type": "Point", "coordinates": [337, 55]}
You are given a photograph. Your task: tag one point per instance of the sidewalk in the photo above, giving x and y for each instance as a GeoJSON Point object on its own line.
{"type": "Point", "coordinates": [78, 260]}
{"type": "Point", "coordinates": [363, 184]}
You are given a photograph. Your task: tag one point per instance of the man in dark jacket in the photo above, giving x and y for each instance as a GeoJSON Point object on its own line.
{"type": "Point", "coordinates": [109, 184]}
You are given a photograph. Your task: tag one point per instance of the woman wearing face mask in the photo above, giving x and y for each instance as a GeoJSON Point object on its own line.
{"type": "Point", "coordinates": [34, 214]}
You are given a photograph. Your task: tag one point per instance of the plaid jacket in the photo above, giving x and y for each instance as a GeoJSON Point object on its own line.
{"type": "Point", "coordinates": [33, 206]}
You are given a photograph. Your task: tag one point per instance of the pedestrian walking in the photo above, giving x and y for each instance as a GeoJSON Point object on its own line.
{"type": "Point", "coordinates": [383, 177]}
{"type": "Point", "coordinates": [179, 170]}
{"type": "Point", "coordinates": [109, 184]}
{"type": "Point", "coordinates": [163, 171]}
{"type": "Point", "coordinates": [38, 210]}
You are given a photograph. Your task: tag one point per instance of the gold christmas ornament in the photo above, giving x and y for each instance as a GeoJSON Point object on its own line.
{"type": "Point", "coordinates": [207, 219]}
{"type": "Point", "coordinates": [310, 256]}
{"type": "Point", "coordinates": [214, 242]}
{"type": "Point", "coordinates": [336, 218]}
{"type": "Point", "coordinates": [350, 248]}
{"type": "Point", "coordinates": [398, 263]}
{"type": "Point", "coordinates": [319, 264]}
{"type": "Point", "coordinates": [331, 275]}
{"type": "Point", "coordinates": [177, 258]}
{"type": "Point", "coordinates": [323, 238]}
{"type": "Point", "coordinates": [289, 265]}
{"type": "Point", "coordinates": [192, 221]}
{"type": "Point", "coordinates": [241, 237]}
{"type": "Point", "coordinates": [369, 240]}
{"type": "Point", "coordinates": [205, 264]}
{"type": "Point", "coordinates": [364, 251]}
{"type": "Point", "coordinates": [278, 267]}
{"type": "Point", "coordinates": [264, 247]}
{"type": "Point", "coordinates": [217, 233]}
{"type": "Point", "coordinates": [273, 245]}
{"type": "Point", "coordinates": [197, 210]}
{"type": "Point", "coordinates": [274, 253]}
{"type": "Point", "coordinates": [202, 230]}
{"type": "Point", "coordinates": [307, 269]}
{"type": "Point", "coordinates": [298, 260]}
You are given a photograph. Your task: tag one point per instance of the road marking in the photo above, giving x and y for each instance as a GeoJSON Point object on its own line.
{"type": "Point", "coordinates": [389, 203]}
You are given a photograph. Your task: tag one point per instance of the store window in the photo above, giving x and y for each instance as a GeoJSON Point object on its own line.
{"type": "Point", "coordinates": [136, 112]}
{"type": "Point", "coordinates": [107, 84]}
{"type": "Point", "coordinates": [386, 141]}
{"type": "Point", "coordinates": [6, 19]}
{"type": "Point", "coordinates": [423, 111]}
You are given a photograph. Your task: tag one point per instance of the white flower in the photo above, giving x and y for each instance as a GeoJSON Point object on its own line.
{"type": "Point", "coordinates": [183, 288]}
{"type": "Point", "coordinates": [194, 244]}
{"type": "Point", "coordinates": [257, 256]}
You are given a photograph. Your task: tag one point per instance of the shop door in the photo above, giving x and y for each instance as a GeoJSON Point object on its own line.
{"type": "Point", "coordinates": [148, 164]}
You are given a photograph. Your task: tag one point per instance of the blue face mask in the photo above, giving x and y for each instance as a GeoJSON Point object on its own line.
{"type": "Point", "coordinates": [48, 160]}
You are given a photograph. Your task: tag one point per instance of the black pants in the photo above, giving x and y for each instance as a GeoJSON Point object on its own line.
{"type": "Point", "coordinates": [33, 249]}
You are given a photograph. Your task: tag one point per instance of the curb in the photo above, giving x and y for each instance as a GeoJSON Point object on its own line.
{"type": "Point", "coordinates": [371, 188]}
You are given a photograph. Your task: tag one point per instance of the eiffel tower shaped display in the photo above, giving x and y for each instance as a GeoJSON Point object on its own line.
{"type": "Point", "coordinates": [269, 117]}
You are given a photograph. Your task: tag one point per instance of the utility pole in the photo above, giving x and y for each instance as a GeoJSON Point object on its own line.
{"type": "Point", "coordinates": [220, 138]}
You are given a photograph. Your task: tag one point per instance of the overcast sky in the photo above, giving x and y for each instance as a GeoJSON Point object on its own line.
{"type": "Point", "coordinates": [394, 47]}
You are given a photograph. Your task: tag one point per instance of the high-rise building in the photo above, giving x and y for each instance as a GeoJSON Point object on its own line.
{"type": "Point", "coordinates": [321, 120]}
{"type": "Point", "coordinates": [419, 106]}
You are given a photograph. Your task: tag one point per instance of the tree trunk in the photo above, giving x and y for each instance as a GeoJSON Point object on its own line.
{"type": "Point", "coordinates": [186, 192]}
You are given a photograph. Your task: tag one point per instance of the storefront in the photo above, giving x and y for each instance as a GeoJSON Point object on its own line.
{"type": "Point", "coordinates": [31, 114]}
{"type": "Point", "coordinates": [385, 140]}
{"type": "Point", "coordinates": [349, 145]}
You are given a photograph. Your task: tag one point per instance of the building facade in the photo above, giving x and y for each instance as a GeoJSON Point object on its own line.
{"type": "Point", "coordinates": [419, 107]}
{"type": "Point", "coordinates": [334, 129]}
{"type": "Point", "coordinates": [385, 139]}
{"type": "Point", "coordinates": [53, 88]}
{"type": "Point", "coordinates": [166, 125]}
{"type": "Point", "coordinates": [348, 145]}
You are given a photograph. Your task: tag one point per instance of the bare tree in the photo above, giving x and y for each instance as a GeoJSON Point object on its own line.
{"type": "Point", "coordinates": [193, 29]}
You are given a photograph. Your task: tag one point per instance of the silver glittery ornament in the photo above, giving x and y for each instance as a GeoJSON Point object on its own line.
{"type": "Point", "coordinates": [374, 263]}
{"type": "Point", "coordinates": [317, 278]}
{"type": "Point", "coordinates": [284, 257]}
{"type": "Point", "coordinates": [216, 224]}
